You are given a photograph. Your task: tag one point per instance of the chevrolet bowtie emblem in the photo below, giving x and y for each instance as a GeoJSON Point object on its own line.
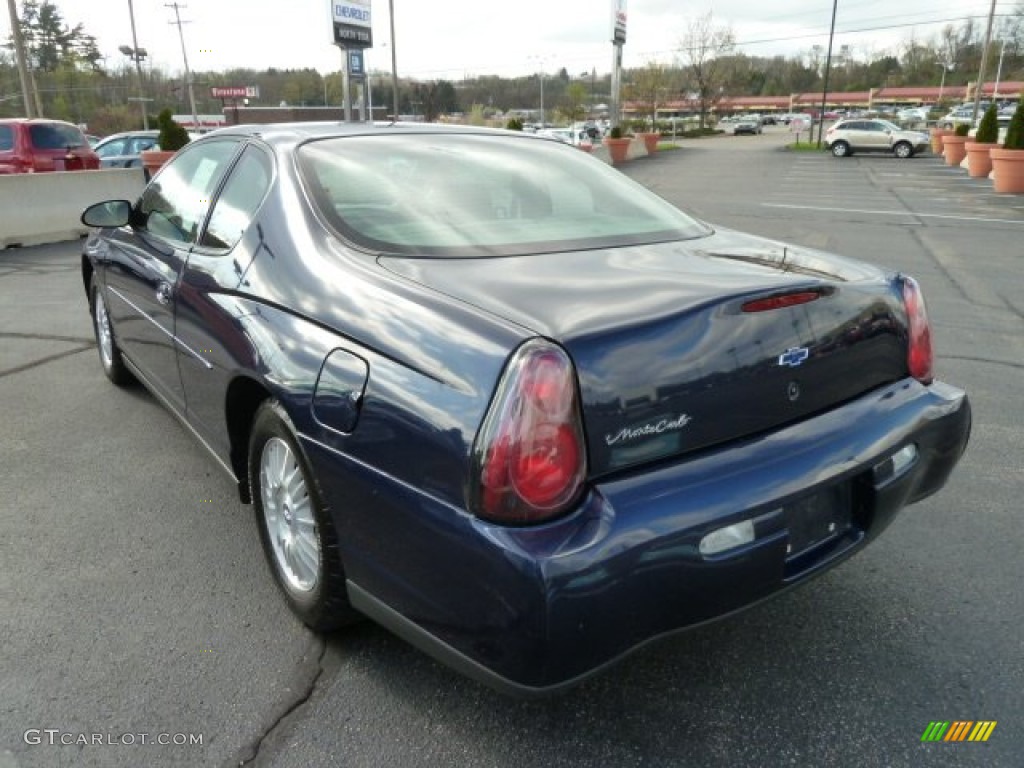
{"type": "Point", "coordinates": [794, 356]}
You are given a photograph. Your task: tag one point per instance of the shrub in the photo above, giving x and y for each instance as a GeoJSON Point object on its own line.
{"type": "Point", "coordinates": [962, 129]}
{"type": "Point", "coordinates": [615, 132]}
{"type": "Point", "coordinates": [1015, 133]}
{"type": "Point", "coordinates": [173, 135]}
{"type": "Point", "coordinates": [514, 124]}
{"type": "Point", "coordinates": [988, 128]}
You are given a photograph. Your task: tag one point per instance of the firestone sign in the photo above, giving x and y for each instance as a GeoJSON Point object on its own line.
{"type": "Point", "coordinates": [351, 20]}
{"type": "Point", "coordinates": [235, 92]}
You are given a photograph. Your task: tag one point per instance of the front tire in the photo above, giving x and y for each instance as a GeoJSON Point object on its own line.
{"type": "Point", "coordinates": [903, 150]}
{"type": "Point", "coordinates": [840, 149]}
{"type": "Point", "coordinates": [110, 354]}
{"type": "Point", "coordinates": [296, 529]}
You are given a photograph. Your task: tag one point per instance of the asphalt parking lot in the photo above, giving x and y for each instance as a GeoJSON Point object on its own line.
{"type": "Point", "coordinates": [136, 601]}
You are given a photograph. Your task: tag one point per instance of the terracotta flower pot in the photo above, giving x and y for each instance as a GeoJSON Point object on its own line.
{"type": "Point", "coordinates": [154, 159]}
{"type": "Point", "coordinates": [979, 164]}
{"type": "Point", "coordinates": [938, 134]}
{"type": "Point", "coordinates": [617, 148]}
{"type": "Point", "coordinates": [953, 149]}
{"type": "Point", "coordinates": [650, 141]}
{"type": "Point", "coordinates": [586, 147]}
{"type": "Point", "coordinates": [1008, 168]}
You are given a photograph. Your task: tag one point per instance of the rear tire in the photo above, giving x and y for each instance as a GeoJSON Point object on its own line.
{"type": "Point", "coordinates": [841, 149]}
{"type": "Point", "coordinates": [296, 529]}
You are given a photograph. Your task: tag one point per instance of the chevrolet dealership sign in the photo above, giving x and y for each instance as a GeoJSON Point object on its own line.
{"type": "Point", "coordinates": [351, 19]}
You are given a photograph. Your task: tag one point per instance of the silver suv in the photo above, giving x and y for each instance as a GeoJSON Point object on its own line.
{"type": "Point", "coordinates": [858, 135]}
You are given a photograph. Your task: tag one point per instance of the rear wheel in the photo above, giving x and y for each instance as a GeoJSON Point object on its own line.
{"type": "Point", "coordinates": [841, 149]}
{"type": "Point", "coordinates": [297, 532]}
{"type": "Point", "coordinates": [110, 353]}
{"type": "Point", "coordinates": [903, 150]}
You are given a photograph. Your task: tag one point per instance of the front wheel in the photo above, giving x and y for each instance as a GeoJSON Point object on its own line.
{"type": "Point", "coordinates": [903, 150]}
{"type": "Point", "coordinates": [296, 530]}
{"type": "Point", "coordinates": [840, 149]}
{"type": "Point", "coordinates": [110, 354]}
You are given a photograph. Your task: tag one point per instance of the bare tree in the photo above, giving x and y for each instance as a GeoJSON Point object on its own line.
{"type": "Point", "coordinates": [649, 86]}
{"type": "Point", "coordinates": [702, 50]}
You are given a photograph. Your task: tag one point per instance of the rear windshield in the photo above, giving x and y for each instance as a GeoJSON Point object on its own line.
{"type": "Point", "coordinates": [55, 136]}
{"type": "Point", "coordinates": [473, 195]}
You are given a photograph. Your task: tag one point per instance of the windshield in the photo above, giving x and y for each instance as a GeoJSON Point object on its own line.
{"type": "Point", "coordinates": [475, 195]}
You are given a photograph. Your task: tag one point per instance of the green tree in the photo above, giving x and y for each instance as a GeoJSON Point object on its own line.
{"type": "Point", "coordinates": [574, 106]}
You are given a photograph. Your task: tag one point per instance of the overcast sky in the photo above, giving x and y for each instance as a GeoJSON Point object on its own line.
{"type": "Point", "coordinates": [453, 39]}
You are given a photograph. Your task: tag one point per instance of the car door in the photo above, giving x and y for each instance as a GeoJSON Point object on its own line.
{"type": "Point", "coordinates": [146, 258]}
{"type": "Point", "coordinates": [207, 321]}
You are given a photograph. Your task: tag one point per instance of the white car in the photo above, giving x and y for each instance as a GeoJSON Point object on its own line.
{"type": "Point", "coordinates": [849, 136]}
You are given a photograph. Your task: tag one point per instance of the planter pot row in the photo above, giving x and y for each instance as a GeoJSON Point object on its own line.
{"type": "Point", "coordinates": [618, 148]}
{"type": "Point", "coordinates": [1005, 165]}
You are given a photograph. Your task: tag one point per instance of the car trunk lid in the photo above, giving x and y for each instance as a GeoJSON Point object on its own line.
{"type": "Point", "coordinates": [672, 351]}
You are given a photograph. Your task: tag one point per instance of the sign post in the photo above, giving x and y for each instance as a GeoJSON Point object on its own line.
{"type": "Point", "coordinates": [352, 34]}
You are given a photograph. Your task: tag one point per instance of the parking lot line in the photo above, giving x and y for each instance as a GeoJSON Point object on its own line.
{"type": "Point", "coordinates": [895, 213]}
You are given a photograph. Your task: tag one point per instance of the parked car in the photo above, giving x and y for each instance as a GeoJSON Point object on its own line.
{"type": "Point", "coordinates": [747, 124]}
{"type": "Point", "coordinates": [488, 391]}
{"type": "Point", "coordinates": [962, 114]}
{"type": "Point", "coordinates": [912, 114]}
{"type": "Point", "coordinates": [38, 145]}
{"type": "Point", "coordinates": [849, 136]}
{"type": "Point", "coordinates": [123, 150]}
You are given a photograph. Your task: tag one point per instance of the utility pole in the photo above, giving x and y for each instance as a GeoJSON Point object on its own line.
{"type": "Point", "coordinates": [19, 52]}
{"type": "Point", "coordinates": [184, 56]}
{"type": "Point", "coordinates": [984, 63]}
{"type": "Point", "coordinates": [138, 68]}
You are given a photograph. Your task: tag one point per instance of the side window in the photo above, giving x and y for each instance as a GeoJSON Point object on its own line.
{"type": "Point", "coordinates": [241, 196]}
{"type": "Point", "coordinates": [6, 138]}
{"type": "Point", "coordinates": [112, 148]}
{"type": "Point", "coordinates": [141, 144]}
{"type": "Point", "coordinates": [174, 205]}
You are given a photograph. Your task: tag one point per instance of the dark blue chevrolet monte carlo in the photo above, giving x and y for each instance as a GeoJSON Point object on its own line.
{"type": "Point", "coordinates": [487, 391]}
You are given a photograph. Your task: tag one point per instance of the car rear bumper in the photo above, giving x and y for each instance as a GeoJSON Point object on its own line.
{"type": "Point", "coordinates": [534, 610]}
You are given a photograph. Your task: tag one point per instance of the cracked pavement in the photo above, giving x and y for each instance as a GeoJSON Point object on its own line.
{"type": "Point", "coordinates": [135, 599]}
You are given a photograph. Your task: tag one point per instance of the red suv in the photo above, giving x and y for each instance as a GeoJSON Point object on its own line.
{"type": "Point", "coordinates": [31, 146]}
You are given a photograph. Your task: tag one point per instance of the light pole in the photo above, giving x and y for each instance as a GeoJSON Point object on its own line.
{"type": "Point", "coordinates": [828, 65]}
{"type": "Point", "coordinates": [394, 61]}
{"type": "Point", "coordinates": [999, 72]}
{"type": "Point", "coordinates": [540, 65]}
{"type": "Point", "coordinates": [942, 82]}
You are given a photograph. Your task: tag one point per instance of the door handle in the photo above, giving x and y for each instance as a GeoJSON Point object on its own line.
{"type": "Point", "coordinates": [163, 293]}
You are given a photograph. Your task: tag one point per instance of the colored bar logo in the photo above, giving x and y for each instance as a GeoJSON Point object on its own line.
{"type": "Point", "coordinates": [958, 730]}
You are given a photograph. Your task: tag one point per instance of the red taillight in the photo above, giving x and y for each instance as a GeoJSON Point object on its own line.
{"type": "Point", "coordinates": [529, 458]}
{"type": "Point", "coordinates": [780, 301]}
{"type": "Point", "coordinates": [919, 347]}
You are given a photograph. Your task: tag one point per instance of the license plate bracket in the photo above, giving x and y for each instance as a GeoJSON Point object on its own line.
{"type": "Point", "coordinates": [819, 518]}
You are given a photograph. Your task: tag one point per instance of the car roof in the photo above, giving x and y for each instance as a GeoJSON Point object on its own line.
{"type": "Point", "coordinates": [288, 133]}
{"type": "Point", "coordinates": [35, 120]}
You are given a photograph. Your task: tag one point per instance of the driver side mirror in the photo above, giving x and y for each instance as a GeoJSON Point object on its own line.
{"type": "Point", "coordinates": [111, 213]}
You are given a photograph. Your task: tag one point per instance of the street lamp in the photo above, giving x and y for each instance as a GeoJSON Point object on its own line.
{"type": "Point", "coordinates": [540, 63]}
